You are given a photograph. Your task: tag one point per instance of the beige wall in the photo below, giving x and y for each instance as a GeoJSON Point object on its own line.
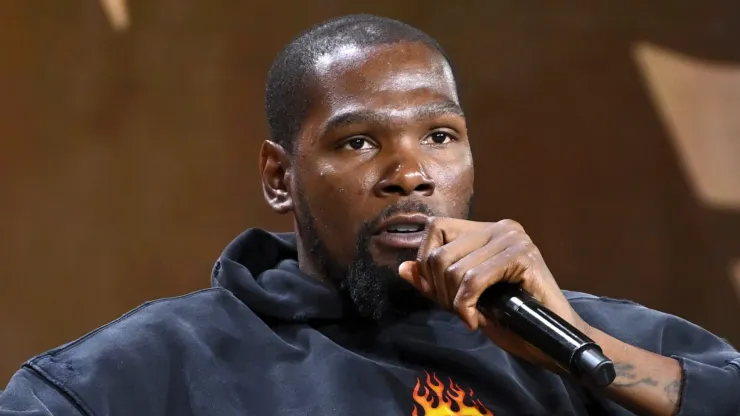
{"type": "Point", "coordinates": [128, 160]}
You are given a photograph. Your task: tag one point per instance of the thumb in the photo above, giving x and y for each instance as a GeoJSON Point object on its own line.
{"type": "Point", "coordinates": [409, 271]}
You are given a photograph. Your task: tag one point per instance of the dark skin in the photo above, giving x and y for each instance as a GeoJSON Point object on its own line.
{"type": "Point", "coordinates": [386, 126]}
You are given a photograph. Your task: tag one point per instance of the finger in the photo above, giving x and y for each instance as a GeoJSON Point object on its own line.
{"type": "Point", "coordinates": [441, 259]}
{"type": "Point", "coordinates": [433, 238]}
{"type": "Point", "coordinates": [409, 271]}
{"type": "Point", "coordinates": [506, 235]}
{"type": "Point", "coordinates": [440, 231]}
{"type": "Point", "coordinates": [506, 266]}
{"type": "Point", "coordinates": [456, 271]}
{"type": "Point", "coordinates": [442, 247]}
{"type": "Point", "coordinates": [504, 226]}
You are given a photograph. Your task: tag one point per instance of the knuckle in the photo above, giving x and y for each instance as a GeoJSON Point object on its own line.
{"type": "Point", "coordinates": [465, 291]}
{"type": "Point", "coordinates": [524, 245]}
{"type": "Point", "coordinates": [528, 251]}
{"type": "Point", "coordinates": [512, 235]}
{"type": "Point", "coordinates": [468, 282]}
{"type": "Point", "coordinates": [437, 257]}
{"type": "Point", "coordinates": [534, 254]}
{"type": "Point", "coordinates": [492, 226]}
{"type": "Point", "coordinates": [510, 252]}
{"type": "Point", "coordinates": [511, 224]}
{"type": "Point", "coordinates": [453, 273]}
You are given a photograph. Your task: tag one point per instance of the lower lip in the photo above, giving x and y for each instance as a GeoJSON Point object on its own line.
{"type": "Point", "coordinates": [400, 240]}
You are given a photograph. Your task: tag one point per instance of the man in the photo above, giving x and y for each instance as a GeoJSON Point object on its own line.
{"type": "Point", "coordinates": [370, 307]}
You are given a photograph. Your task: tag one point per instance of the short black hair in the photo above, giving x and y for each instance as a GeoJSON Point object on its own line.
{"type": "Point", "coordinates": [286, 95]}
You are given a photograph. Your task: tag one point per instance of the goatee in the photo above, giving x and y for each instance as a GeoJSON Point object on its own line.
{"type": "Point", "coordinates": [376, 292]}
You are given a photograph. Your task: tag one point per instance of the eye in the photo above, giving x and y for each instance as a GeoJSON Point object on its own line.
{"type": "Point", "coordinates": [357, 144]}
{"type": "Point", "coordinates": [438, 137]}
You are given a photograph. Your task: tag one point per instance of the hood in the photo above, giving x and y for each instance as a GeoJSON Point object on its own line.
{"type": "Point", "coordinates": [261, 269]}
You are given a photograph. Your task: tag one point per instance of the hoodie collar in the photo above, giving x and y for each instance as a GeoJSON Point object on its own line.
{"type": "Point", "coordinates": [261, 269]}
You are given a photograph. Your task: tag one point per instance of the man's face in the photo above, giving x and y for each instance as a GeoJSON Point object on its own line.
{"type": "Point", "coordinates": [383, 147]}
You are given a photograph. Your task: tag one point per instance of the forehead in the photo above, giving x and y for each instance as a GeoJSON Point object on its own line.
{"type": "Point", "coordinates": [393, 75]}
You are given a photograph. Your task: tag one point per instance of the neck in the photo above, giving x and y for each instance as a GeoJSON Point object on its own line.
{"type": "Point", "coordinates": [307, 260]}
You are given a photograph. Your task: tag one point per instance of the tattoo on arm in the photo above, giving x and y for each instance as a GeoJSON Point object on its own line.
{"type": "Point", "coordinates": [626, 377]}
{"type": "Point", "coordinates": [672, 391]}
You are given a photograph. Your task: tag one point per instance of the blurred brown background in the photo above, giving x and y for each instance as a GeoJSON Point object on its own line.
{"type": "Point", "coordinates": [129, 158]}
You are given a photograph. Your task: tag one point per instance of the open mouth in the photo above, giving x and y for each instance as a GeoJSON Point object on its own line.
{"type": "Point", "coordinates": [402, 231]}
{"type": "Point", "coordinates": [404, 228]}
{"type": "Point", "coordinates": [402, 224]}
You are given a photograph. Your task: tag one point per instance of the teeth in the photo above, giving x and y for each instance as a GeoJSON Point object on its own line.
{"type": "Point", "coordinates": [405, 228]}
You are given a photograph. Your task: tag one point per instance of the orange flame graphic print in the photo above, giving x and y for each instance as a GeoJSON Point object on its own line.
{"type": "Point", "coordinates": [433, 398]}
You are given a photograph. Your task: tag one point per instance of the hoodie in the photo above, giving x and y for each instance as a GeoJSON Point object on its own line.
{"type": "Point", "coordinates": [266, 339]}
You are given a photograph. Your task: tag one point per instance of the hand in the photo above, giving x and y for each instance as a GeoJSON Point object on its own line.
{"type": "Point", "coordinates": [460, 259]}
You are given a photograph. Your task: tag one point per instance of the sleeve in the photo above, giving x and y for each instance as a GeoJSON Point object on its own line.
{"type": "Point", "coordinates": [710, 366]}
{"type": "Point", "coordinates": [29, 394]}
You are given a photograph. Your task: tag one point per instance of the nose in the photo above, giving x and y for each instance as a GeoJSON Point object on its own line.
{"type": "Point", "coordinates": [404, 178]}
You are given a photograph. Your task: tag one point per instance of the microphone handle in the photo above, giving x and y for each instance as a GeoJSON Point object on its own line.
{"type": "Point", "coordinates": [573, 351]}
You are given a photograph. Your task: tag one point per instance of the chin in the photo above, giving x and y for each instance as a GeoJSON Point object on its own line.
{"type": "Point", "coordinates": [388, 261]}
{"type": "Point", "coordinates": [393, 258]}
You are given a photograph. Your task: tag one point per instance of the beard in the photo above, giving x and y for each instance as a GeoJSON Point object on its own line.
{"type": "Point", "coordinates": [376, 292]}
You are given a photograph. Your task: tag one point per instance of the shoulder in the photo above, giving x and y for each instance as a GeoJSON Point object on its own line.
{"type": "Point", "coordinates": [154, 322]}
{"type": "Point", "coordinates": [145, 346]}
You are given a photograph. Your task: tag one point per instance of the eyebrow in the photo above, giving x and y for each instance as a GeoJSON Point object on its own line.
{"type": "Point", "coordinates": [369, 117]}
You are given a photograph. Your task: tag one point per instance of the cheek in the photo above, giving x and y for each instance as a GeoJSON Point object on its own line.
{"type": "Point", "coordinates": [458, 161]}
{"type": "Point", "coordinates": [455, 185]}
{"type": "Point", "coordinates": [345, 184]}
{"type": "Point", "coordinates": [337, 200]}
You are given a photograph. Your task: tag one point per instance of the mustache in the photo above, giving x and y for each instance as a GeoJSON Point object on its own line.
{"type": "Point", "coordinates": [401, 207]}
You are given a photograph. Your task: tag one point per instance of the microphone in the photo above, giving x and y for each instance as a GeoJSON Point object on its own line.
{"type": "Point", "coordinates": [571, 350]}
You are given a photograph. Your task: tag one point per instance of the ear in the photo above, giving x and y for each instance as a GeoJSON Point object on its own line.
{"type": "Point", "coordinates": [275, 167]}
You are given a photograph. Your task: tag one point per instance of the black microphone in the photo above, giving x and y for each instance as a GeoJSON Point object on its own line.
{"type": "Point", "coordinates": [571, 350]}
